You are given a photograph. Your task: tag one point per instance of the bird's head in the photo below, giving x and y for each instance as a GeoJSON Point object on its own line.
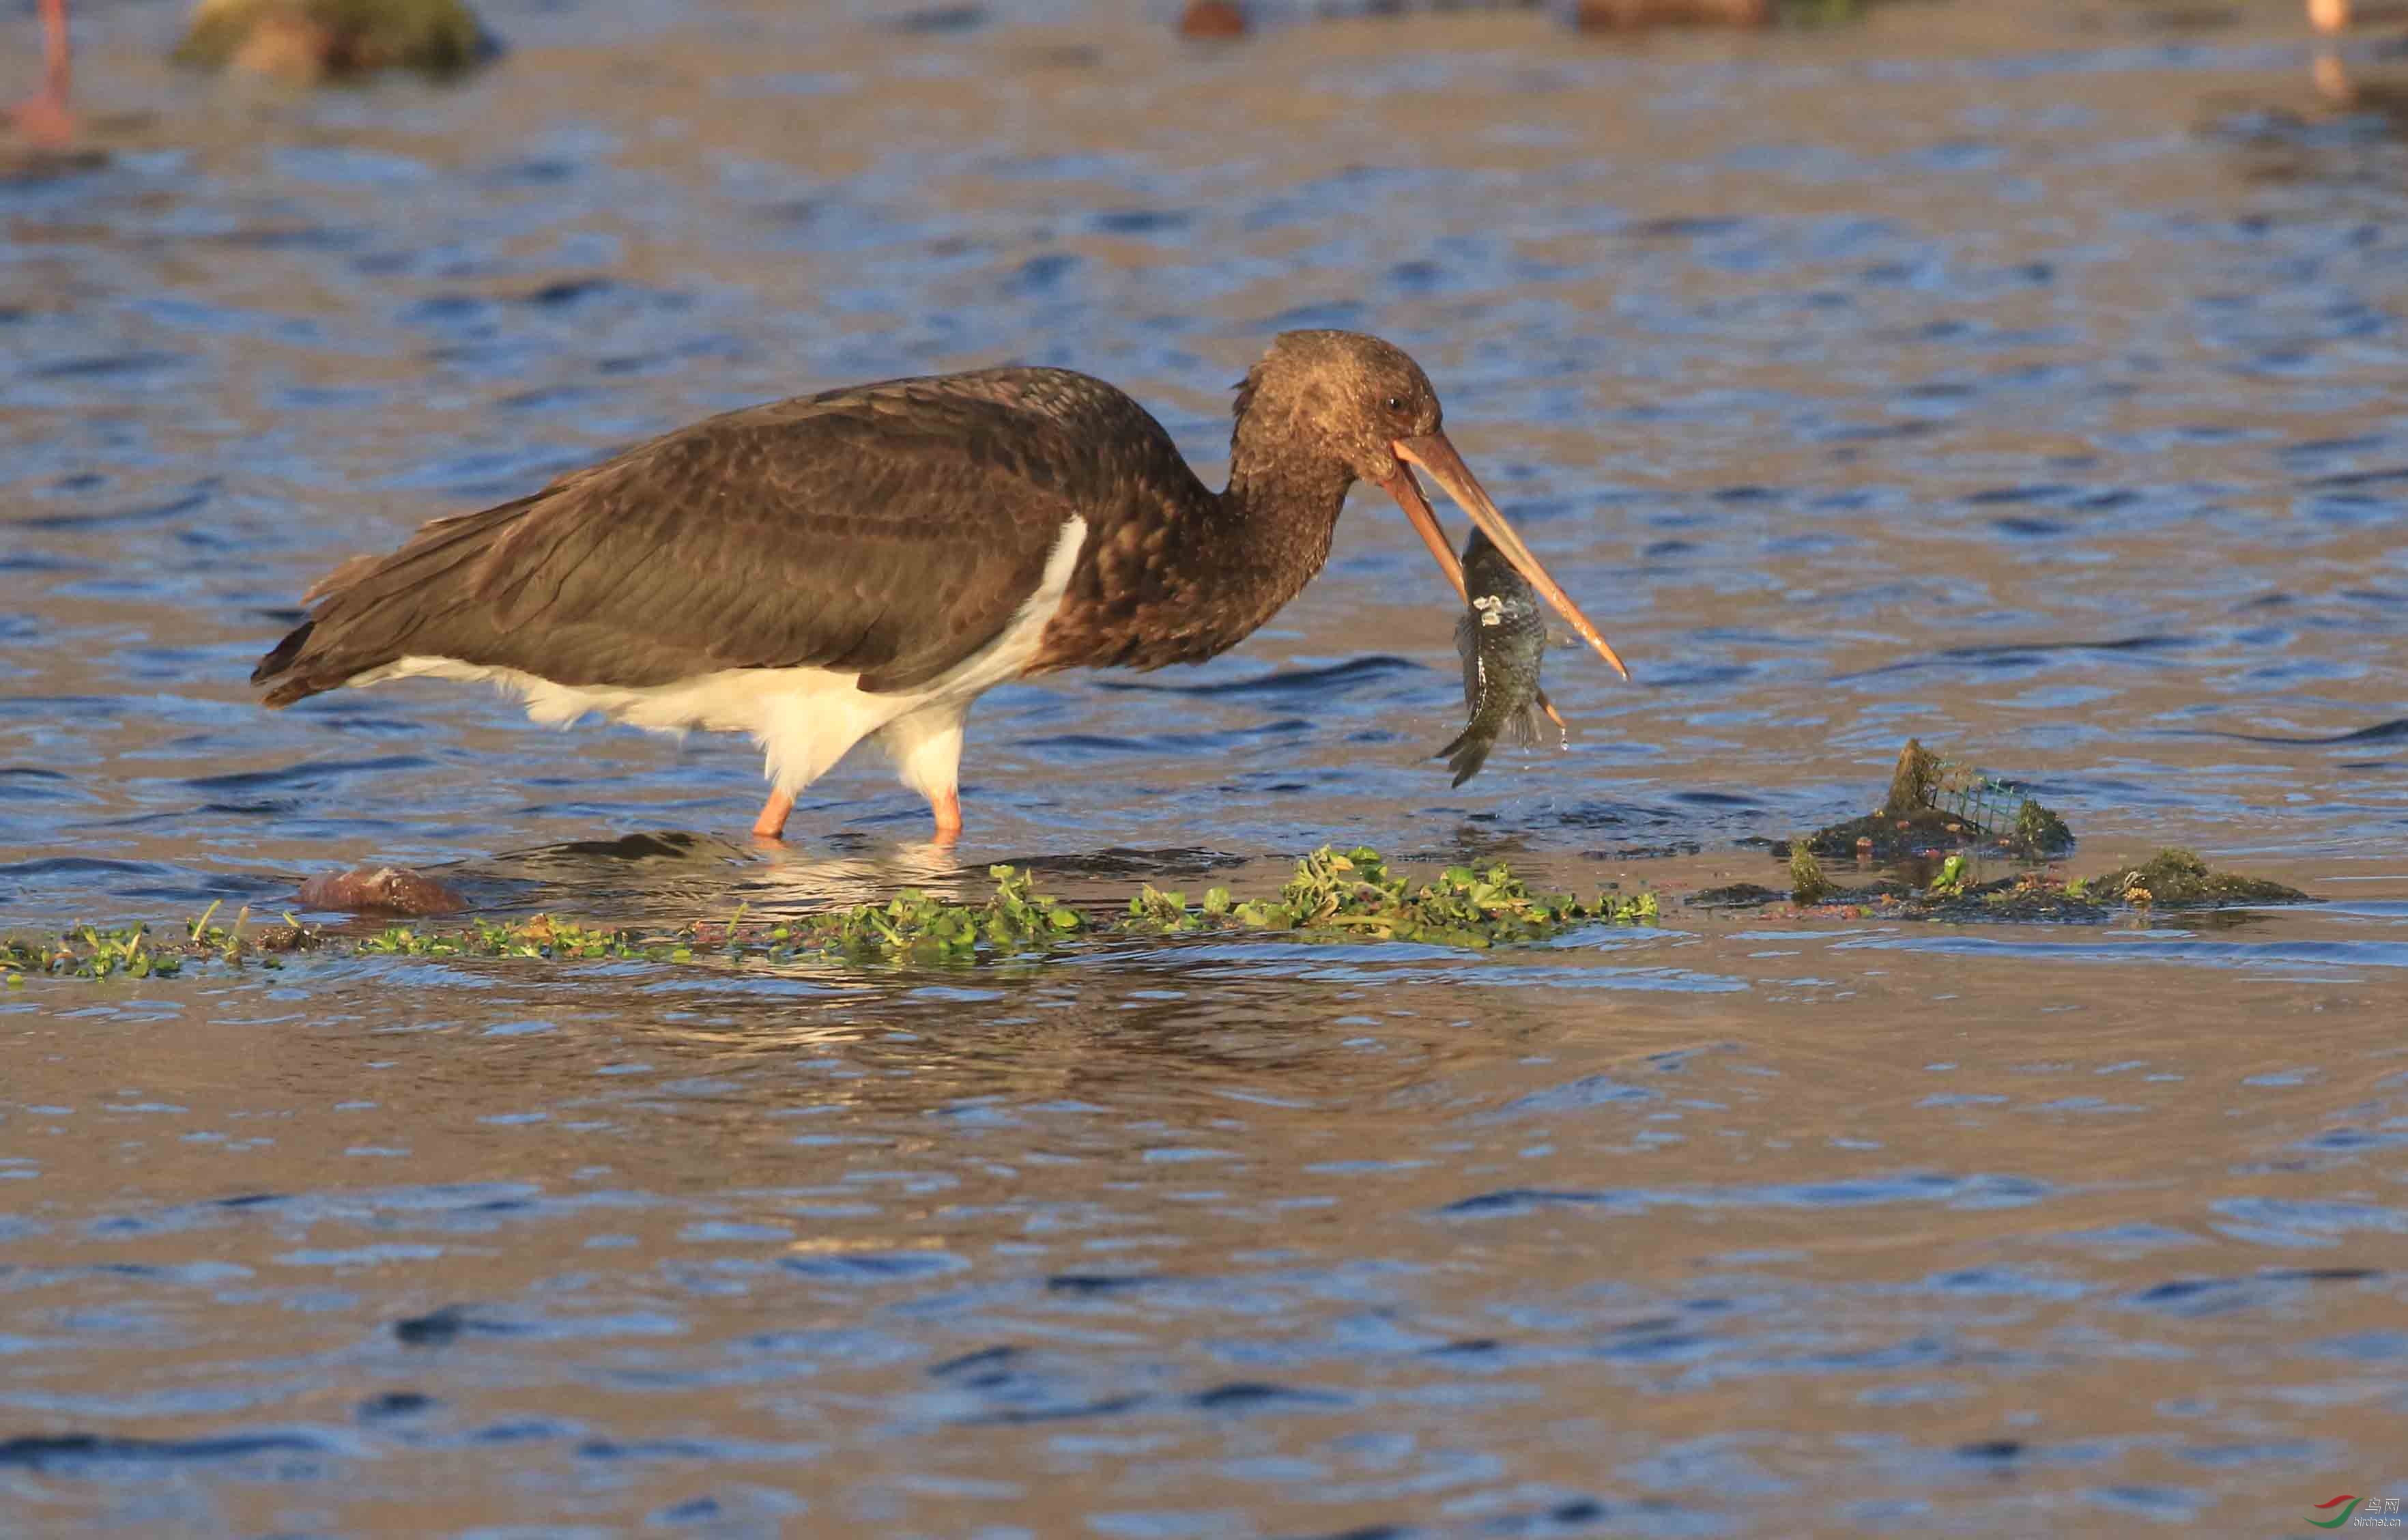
{"type": "Point", "coordinates": [1365, 403]}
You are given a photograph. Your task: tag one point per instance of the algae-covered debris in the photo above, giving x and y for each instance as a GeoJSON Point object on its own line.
{"type": "Point", "coordinates": [2178, 879]}
{"type": "Point", "coordinates": [2039, 832]}
{"type": "Point", "coordinates": [314, 40]}
{"type": "Point", "coordinates": [2174, 879]}
{"type": "Point", "coordinates": [1807, 883]}
{"type": "Point", "coordinates": [1933, 803]}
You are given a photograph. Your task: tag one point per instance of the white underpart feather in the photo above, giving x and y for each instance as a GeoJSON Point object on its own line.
{"type": "Point", "coordinates": [805, 719]}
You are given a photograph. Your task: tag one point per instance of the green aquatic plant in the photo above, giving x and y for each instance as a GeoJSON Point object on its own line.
{"type": "Point", "coordinates": [1949, 881]}
{"type": "Point", "coordinates": [89, 952]}
{"type": "Point", "coordinates": [1355, 893]}
{"type": "Point", "coordinates": [1807, 883]}
{"type": "Point", "coordinates": [1017, 918]}
{"type": "Point", "coordinates": [1333, 895]}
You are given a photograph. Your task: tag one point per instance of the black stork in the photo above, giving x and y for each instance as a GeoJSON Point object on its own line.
{"type": "Point", "coordinates": [863, 563]}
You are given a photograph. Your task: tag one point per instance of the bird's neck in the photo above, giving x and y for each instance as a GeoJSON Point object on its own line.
{"type": "Point", "coordinates": [1281, 511]}
{"type": "Point", "coordinates": [1195, 573]}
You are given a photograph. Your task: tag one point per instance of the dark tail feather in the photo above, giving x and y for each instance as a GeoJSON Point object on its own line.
{"type": "Point", "coordinates": [286, 650]}
{"type": "Point", "coordinates": [281, 659]}
{"type": "Point", "coordinates": [369, 608]}
{"type": "Point", "coordinates": [1466, 754]}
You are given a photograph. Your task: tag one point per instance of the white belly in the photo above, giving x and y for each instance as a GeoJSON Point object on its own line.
{"type": "Point", "coordinates": [804, 719]}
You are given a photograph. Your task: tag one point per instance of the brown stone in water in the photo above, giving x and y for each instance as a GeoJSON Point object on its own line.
{"type": "Point", "coordinates": [1213, 19]}
{"type": "Point", "coordinates": [383, 889]}
{"type": "Point", "coordinates": [1638, 15]}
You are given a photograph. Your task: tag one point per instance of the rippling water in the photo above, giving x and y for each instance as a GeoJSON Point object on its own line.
{"type": "Point", "coordinates": [2024, 378]}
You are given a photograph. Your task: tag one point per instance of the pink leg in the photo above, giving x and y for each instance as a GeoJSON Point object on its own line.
{"type": "Point", "coordinates": [948, 808]}
{"type": "Point", "coordinates": [45, 118]}
{"type": "Point", "coordinates": [771, 824]}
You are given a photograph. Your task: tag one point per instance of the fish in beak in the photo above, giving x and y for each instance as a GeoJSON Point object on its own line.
{"type": "Point", "coordinates": [1431, 451]}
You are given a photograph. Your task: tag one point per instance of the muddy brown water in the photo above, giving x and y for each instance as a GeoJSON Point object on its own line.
{"type": "Point", "coordinates": [2023, 378]}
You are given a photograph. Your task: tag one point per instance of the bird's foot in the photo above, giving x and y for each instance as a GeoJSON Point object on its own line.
{"type": "Point", "coordinates": [44, 120]}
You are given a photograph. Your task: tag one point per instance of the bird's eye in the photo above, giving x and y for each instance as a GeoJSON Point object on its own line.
{"type": "Point", "coordinates": [1395, 403]}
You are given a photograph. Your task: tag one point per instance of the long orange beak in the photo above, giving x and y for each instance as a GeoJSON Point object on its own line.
{"type": "Point", "coordinates": [1432, 453]}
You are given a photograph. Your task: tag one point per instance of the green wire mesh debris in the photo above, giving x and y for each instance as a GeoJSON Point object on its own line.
{"type": "Point", "coordinates": [1979, 801]}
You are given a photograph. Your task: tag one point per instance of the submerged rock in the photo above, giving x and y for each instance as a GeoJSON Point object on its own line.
{"type": "Point", "coordinates": [384, 889]}
{"type": "Point", "coordinates": [1213, 19]}
{"type": "Point", "coordinates": [309, 41]}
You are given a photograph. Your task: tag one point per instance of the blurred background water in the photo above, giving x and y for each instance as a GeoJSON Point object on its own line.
{"type": "Point", "coordinates": [2023, 378]}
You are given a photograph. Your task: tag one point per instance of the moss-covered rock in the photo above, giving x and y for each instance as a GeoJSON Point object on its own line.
{"type": "Point", "coordinates": [2171, 879]}
{"type": "Point", "coordinates": [314, 40]}
{"type": "Point", "coordinates": [2178, 879]}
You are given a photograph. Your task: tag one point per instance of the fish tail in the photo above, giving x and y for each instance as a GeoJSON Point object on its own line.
{"type": "Point", "coordinates": [1466, 754]}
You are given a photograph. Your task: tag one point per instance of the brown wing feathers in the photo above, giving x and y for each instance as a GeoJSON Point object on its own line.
{"type": "Point", "coordinates": [881, 529]}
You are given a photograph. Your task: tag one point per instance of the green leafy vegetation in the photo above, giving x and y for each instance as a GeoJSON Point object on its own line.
{"type": "Point", "coordinates": [1355, 895]}
{"type": "Point", "coordinates": [89, 952]}
{"type": "Point", "coordinates": [1333, 896]}
{"type": "Point", "coordinates": [1949, 881]}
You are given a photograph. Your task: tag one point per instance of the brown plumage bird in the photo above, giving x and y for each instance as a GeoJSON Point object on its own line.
{"type": "Point", "coordinates": [863, 563]}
